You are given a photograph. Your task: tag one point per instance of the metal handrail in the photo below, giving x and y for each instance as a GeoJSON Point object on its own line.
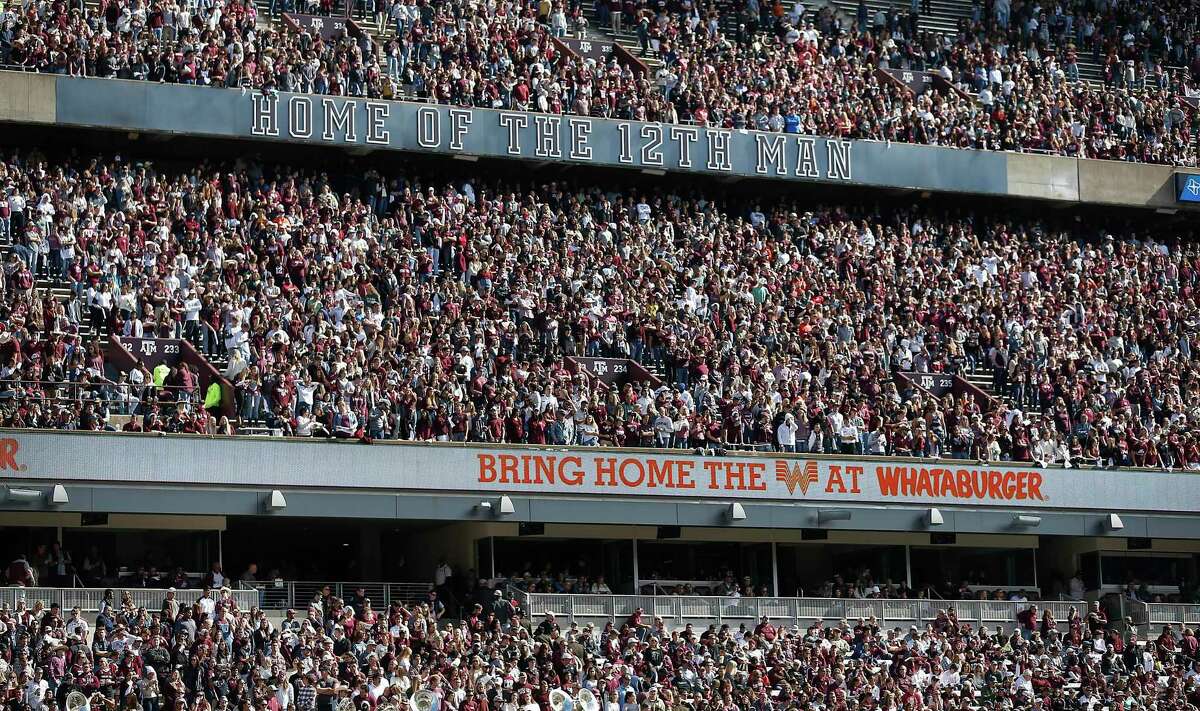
{"type": "Point", "coordinates": [299, 594]}
{"type": "Point", "coordinates": [679, 610]}
{"type": "Point", "coordinates": [52, 391]}
{"type": "Point", "coordinates": [1168, 613]}
{"type": "Point", "coordinates": [89, 599]}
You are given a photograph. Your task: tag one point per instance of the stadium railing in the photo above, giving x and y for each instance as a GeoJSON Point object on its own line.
{"type": "Point", "coordinates": [119, 396]}
{"type": "Point", "coordinates": [88, 599]}
{"type": "Point", "coordinates": [297, 594]}
{"type": "Point", "coordinates": [1172, 613]}
{"type": "Point", "coordinates": [701, 611]}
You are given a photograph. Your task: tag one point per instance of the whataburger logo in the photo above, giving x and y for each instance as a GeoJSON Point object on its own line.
{"type": "Point", "coordinates": [891, 481]}
{"type": "Point", "coordinates": [794, 475]}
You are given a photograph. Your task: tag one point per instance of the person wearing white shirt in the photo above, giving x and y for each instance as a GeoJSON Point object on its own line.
{"type": "Point", "coordinates": [285, 694]}
{"type": "Point", "coordinates": [191, 316]}
{"type": "Point", "coordinates": [949, 678]}
{"type": "Point", "coordinates": [35, 691]}
{"type": "Point", "coordinates": [77, 625]}
{"type": "Point", "coordinates": [785, 435]}
{"type": "Point", "coordinates": [643, 211]}
{"type": "Point", "coordinates": [207, 604]}
{"type": "Point", "coordinates": [442, 573]}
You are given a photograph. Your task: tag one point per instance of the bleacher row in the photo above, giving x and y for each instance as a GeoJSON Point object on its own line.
{"type": "Point", "coordinates": [1008, 83]}
{"type": "Point", "coordinates": [409, 305]}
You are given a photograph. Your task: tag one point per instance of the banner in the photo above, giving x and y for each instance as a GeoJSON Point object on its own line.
{"type": "Point", "coordinates": [480, 133]}
{"type": "Point", "coordinates": [154, 459]}
{"type": "Point", "coordinates": [937, 383]}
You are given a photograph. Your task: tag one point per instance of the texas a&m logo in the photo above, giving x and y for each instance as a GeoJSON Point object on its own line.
{"type": "Point", "coordinates": [793, 474]}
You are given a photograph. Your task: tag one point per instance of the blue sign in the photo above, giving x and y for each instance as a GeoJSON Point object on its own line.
{"type": "Point", "coordinates": [1187, 187]}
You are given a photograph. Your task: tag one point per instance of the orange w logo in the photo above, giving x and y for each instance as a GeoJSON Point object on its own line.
{"type": "Point", "coordinates": [793, 475]}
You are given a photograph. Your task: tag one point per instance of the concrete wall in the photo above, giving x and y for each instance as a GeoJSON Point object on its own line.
{"type": "Point", "coordinates": [27, 98]}
{"type": "Point", "coordinates": [1043, 177]}
{"type": "Point", "coordinates": [1103, 182]}
{"type": "Point", "coordinates": [1117, 183]}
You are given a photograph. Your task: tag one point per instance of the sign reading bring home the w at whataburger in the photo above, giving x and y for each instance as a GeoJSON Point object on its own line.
{"type": "Point", "coordinates": [610, 473]}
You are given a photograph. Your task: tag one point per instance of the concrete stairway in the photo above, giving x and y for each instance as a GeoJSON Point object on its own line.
{"type": "Point", "coordinates": [61, 291]}
{"type": "Point", "coordinates": [943, 18]}
{"type": "Point", "coordinates": [626, 37]}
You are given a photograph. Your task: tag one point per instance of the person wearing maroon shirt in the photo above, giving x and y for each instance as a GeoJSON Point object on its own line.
{"type": "Point", "coordinates": [1027, 619]}
{"type": "Point", "coordinates": [765, 629]}
{"type": "Point", "coordinates": [1097, 618]}
{"type": "Point", "coordinates": [537, 430]}
{"type": "Point", "coordinates": [1166, 644]}
{"type": "Point", "coordinates": [1189, 646]}
{"type": "Point", "coordinates": [514, 428]}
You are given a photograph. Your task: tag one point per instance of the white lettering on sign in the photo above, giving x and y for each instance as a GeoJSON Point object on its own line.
{"type": "Point", "coordinates": [514, 123]}
{"type": "Point", "coordinates": [839, 160]}
{"type": "Point", "coordinates": [652, 148]}
{"type": "Point", "coordinates": [806, 158]}
{"type": "Point", "coordinates": [266, 120]}
{"type": "Point", "coordinates": [548, 144]}
{"type": "Point", "coordinates": [769, 151]}
{"type": "Point", "coordinates": [429, 128]}
{"type": "Point", "coordinates": [580, 131]}
{"type": "Point", "coordinates": [624, 144]}
{"type": "Point", "coordinates": [339, 116]}
{"type": "Point", "coordinates": [377, 115]}
{"type": "Point", "coordinates": [685, 137]}
{"type": "Point", "coordinates": [542, 136]}
{"type": "Point", "coordinates": [460, 121]}
{"type": "Point", "coordinates": [718, 150]}
{"type": "Point", "coordinates": [299, 117]}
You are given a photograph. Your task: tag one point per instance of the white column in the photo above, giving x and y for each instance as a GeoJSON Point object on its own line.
{"type": "Point", "coordinates": [774, 570]}
{"type": "Point", "coordinates": [221, 548]}
{"type": "Point", "coordinates": [492, 547]}
{"type": "Point", "coordinates": [637, 583]}
{"type": "Point", "coordinates": [908, 565]}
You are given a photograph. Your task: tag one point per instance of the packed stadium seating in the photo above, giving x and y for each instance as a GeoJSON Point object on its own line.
{"type": "Point", "coordinates": [406, 306]}
{"type": "Point", "coordinates": [346, 654]}
{"type": "Point", "coordinates": [1006, 86]}
{"type": "Point", "coordinates": [344, 294]}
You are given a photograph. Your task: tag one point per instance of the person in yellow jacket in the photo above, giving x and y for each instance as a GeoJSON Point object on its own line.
{"type": "Point", "coordinates": [160, 373]}
{"type": "Point", "coordinates": [212, 399]}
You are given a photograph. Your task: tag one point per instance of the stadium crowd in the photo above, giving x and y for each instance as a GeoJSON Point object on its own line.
{"type": "Point", "coordinates": [793, 71]}
{"type": "Point", "coordinates": [401, 306]}
{"type": "Point", "coordinates": [345, 654]}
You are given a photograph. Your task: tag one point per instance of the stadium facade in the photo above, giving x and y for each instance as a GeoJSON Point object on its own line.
{"type": "Point", "coordinates": [491, 509]}
{"type": "Point", "coordinates": [792, 518]}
